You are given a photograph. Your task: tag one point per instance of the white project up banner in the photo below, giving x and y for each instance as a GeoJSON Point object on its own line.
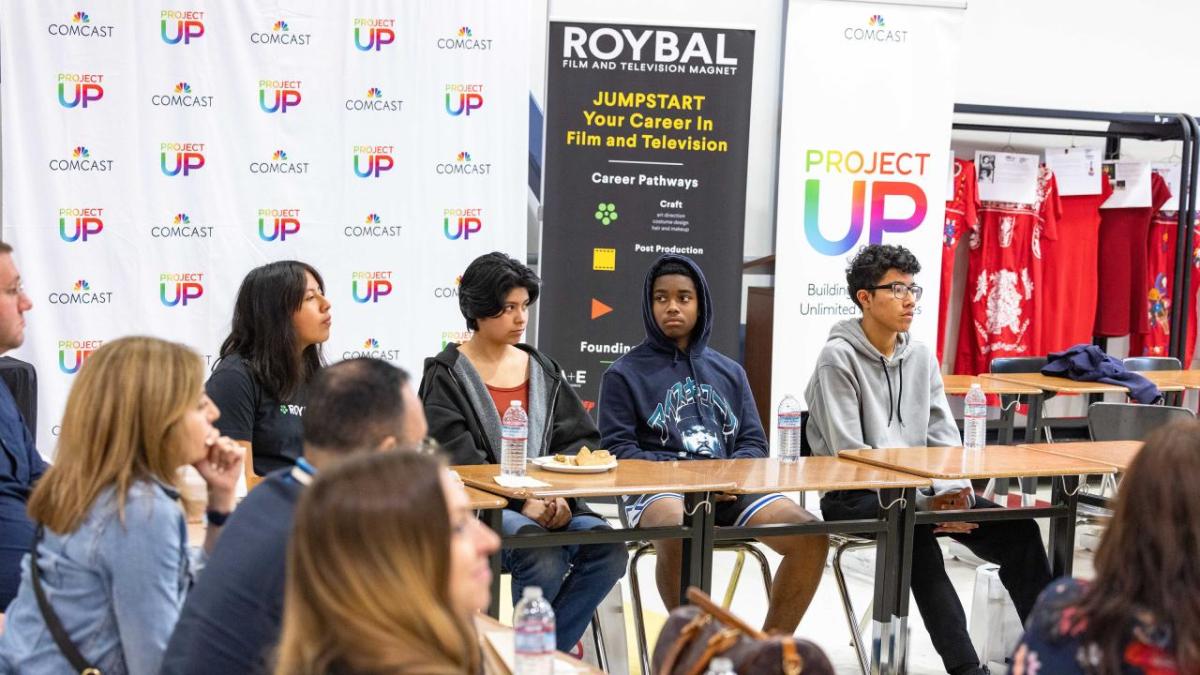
{"type": "Point", "coordinates": [864, 149]}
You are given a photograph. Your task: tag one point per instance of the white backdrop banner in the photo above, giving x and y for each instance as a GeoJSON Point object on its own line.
{"type": "Point", "coordinates": [154, 153]}
{"type": "Point", "coordinates": [864, 151]}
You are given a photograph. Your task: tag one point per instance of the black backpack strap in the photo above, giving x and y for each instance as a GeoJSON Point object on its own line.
{"type": "Point", "coordinates": [55, 626]}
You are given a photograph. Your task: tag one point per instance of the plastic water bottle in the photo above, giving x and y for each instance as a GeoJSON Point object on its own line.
{"type": "Point", "coordinates": [514, 432]}
{"type": "Point", "coordinates": [789, 429]}
{"type": "Point", "coordinates": [975, 419]}
{"type": "Point", "coordinates": [534, 640]}
{"type": "Point", "coordinates": [720, 666]}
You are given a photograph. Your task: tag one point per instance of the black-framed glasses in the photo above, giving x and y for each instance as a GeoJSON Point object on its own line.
{"type": "Point", "coordinates": [900, 290]}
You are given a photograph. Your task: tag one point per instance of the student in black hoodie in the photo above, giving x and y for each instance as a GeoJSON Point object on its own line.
{"type": "Point", "coordinates": [673, 397]}
{"type": "Point", "coordinates": [467, 388]}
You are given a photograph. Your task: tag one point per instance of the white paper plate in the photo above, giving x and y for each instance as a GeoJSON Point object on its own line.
{"type": "Point", "coordinates": [549, 464]}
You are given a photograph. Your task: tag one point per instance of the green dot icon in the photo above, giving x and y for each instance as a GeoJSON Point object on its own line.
{"type": "Point", "coordinates": [606, 212]}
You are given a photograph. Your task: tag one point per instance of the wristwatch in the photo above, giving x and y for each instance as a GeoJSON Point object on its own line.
{"type": "Point", "coordinates": [215, 518]}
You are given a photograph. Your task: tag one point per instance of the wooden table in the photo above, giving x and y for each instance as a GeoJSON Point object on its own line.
{"type": "Point", "coordinates": [1118, 454]}
{"type": "Point", "coordinates": [1188, 379]}
{"type": "Point", "coordinates": [631, 477]}
{"type": "Point", "coordinates": [1058, 385]}
{"type": "Point", "coordinates": [996, 461]}
{"type": "Point", "coordinates": [951, 463]}
{"type": "Point", "coordinates": [1010, 394]}
{"type": "Point", "coordinates": [484, 501]}
{"type": "Point", "coordinates": [959, 385]}
{"type": "Point", "coordinates": [493, 662]}
{"type": "Point", "coordinates": [896, 491]}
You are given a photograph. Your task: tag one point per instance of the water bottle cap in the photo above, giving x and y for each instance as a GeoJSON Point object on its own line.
{"type": "Point", "coordinates": [721, 665]}
{"type": "Point", "coordinates": [515, 404]}
{"type": "Point", "coordinates": [531, 592]}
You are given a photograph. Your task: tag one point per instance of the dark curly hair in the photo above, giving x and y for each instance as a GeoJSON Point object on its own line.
{"type": "Point", "coordinates": [487, 281]}
{"type": "Point", "coordinates": [872, 263]}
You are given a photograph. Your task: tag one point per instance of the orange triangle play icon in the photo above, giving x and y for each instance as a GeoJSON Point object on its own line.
{"type": "Point", "coordinates": [599, 309]}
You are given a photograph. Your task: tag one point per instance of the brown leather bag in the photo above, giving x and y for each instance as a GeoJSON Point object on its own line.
{"type": "Point", "coordinates": [697, 633]}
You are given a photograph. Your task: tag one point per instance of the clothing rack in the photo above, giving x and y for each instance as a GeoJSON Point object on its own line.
{"type": "Point", "coordinates": [1140, 126]}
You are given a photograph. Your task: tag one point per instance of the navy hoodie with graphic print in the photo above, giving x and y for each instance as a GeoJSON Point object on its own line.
{"type": "Point", "coordinates": [659, 403]}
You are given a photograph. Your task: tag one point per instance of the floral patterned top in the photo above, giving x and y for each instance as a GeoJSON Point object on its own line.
{"type": "Point", "coordinates": [1052, 645]}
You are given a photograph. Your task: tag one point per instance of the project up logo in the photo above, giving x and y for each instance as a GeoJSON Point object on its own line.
{"type": "Point", "coordinates": [373, 34]}
{"type": "Point", "coordinates": [180, 288]}
{"type": "Point", "coordinates": [461, 223]}
{"type": "Point", "coordinates": [72, 354]}
{"type": "Point", "coordinates": [278, 95]}
{"type": "Point", "coordinates": [278, 224]}
{"type": "Point", "coordinates": [461, 99]}
{"type": "Point", "coordinates": [176, 158]}
{"type": "Point", "coordinates": [371, 161]}
{"type": "Point", "coordinates": [78, 224]}
{"type": "Point", "coordinates": [877, 169]}
{"type": "Point", "coordinates": [370, 286]}
{"type": "Point", "coordinates": [77, 90]}
{"type": "Point", "coordinates": [178, 27]}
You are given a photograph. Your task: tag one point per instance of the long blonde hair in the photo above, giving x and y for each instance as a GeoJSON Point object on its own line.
{"type": "Point", "coordinates": [121, 425]}
{"type": "Point", "coordinates": [368, 574]}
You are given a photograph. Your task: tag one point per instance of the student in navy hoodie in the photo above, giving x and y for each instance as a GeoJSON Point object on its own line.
{"type": "Point", "coordinates": [674, 398]}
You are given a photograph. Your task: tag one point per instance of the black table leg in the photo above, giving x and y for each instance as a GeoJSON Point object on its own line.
{"type": "Point", "coordinates": [1033, 432]}
{"type": "Point", "coordinates": [893, 561]}
{"type": "Point", "coordinates": [493, 518]}
{"type": "Point", "coordinates": [1065, 492]}
{"type": "Point", "coordinates": [698, 545]}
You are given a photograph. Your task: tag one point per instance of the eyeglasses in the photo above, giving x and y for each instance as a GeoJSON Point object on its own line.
{"type": "Point", "coordinates": [900, 290]}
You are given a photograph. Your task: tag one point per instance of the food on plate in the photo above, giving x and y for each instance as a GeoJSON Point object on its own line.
{"type": "Point", "coordinates": [586, 457]}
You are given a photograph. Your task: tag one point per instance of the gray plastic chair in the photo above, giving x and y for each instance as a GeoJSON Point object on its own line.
{"type": "Point", "coordinates": [1150, 363]}
{"type": "Point", "coordinates": [1130, 421]}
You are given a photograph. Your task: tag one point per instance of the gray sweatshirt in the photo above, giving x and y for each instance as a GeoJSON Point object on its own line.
{"type": "Point", "coordinates": [858, 398]}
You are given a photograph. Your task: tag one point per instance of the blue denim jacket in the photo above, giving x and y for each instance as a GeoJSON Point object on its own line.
{"type": "Point", "coordinates": [116, 588]}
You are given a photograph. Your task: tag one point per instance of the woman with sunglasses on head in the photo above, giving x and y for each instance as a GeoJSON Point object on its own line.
{"type": "Point", "coordinates": [280, 320]}
{"type": "Point", "coordinates": [110, 565]}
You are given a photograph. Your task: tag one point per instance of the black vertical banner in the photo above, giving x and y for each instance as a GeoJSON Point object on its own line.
{"type": "Point", "coordinates": [646, 145]}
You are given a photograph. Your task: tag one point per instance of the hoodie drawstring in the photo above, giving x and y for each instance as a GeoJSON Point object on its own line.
{"type": "Point", "coordinates": [883, 364]}
{"type": "Point", "coordinates": [899, 399]}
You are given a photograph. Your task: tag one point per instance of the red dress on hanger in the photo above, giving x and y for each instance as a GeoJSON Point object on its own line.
{"type": "Point", "coordinates": [1159, 282]}
{"type": "Point", "coordinates": [1070, 270]}
{"type": "Point", "coordinates": [1001, 310]}
{"type": "Point", "coordinates": [1122, 264]}
{"type": "Point", "coordinates": [962, 214]}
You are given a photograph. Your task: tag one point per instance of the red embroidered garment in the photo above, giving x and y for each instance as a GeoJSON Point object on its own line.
{"type": "Point", "coordinates": [962, 214]}
{"type": "Point", "coordinates": [1001, 310]}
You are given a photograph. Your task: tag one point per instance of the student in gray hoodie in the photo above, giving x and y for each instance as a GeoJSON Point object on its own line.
{"type": "Point", "coordinates": [875, 387]}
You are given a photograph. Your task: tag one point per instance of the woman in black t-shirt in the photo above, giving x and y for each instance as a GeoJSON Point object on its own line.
{"type": "Point", "coordinates": [280, 320]}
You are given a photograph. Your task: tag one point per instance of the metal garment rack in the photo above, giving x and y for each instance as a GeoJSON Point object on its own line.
{"type": "Point", "coordinates": [1140, 126]}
